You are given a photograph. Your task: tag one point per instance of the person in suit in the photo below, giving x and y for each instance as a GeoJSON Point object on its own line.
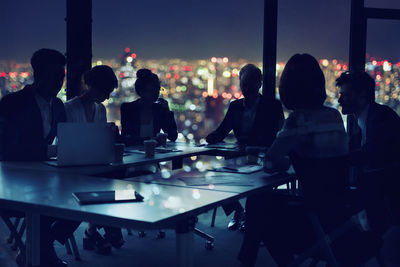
{"type": "Point", "coordinates": [254, 119]}
{"type": "Point", "coordinates": [142, 119]}
{"type": "Point", "coordinates": [28, 126]}
{"type": "Point", "coordinates": [374, 146]}
{"type": "Point", "coordinates": [29, 117]}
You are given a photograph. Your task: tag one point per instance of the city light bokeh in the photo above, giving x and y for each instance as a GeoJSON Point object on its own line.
{"type": "Point", "coordinates": [199, 91]}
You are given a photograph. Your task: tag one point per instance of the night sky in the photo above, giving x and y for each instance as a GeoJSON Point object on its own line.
{"type": "Point", "coordinates": [193, 29]}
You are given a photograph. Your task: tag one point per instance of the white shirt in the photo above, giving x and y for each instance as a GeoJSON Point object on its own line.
{"type": "Point", "coordinates": [46, 113]}
{"type": "Point", "coordinates": [76, 112]}
{"type": "Point", "coordinates": [362, 123]}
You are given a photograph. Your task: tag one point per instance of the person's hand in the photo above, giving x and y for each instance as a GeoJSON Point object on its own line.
{"type": "Point", "coordinates": [281, 165]}
{"type": "Point", "coordinates": [161, 139]}
{"type": "Point", "coordinates": [51, 151]}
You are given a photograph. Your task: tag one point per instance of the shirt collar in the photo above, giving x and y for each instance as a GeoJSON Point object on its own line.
{"type": "Point", "coordinates": [40, 99]}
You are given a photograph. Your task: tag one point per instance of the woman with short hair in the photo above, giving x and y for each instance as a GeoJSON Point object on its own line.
{"type": "Point", "coordinates": [311, 139]}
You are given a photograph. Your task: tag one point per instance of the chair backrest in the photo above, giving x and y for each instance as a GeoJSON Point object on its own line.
{"type": "Point", "coordinates": [324, 184]}
{"type": "Point", "coordinates": [322, 177]}
{"type": "Point", "coordinates": [389, 176]}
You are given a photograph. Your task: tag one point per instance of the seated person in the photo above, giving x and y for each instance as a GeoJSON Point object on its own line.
{"type": "Point", "coordinates": [28, 126]}
{"type": "Point", "coordinates": [375, 145]}
{"type": "Point", "coordinates": [311, 132]}
{"type": "Point", "coordinates": [100, 81]}
{"type": "Point", "coordinates": [142, 119]}
{"type": "Point", "coordinates": [254, 120]}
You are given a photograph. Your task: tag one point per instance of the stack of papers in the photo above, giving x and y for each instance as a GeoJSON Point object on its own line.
{"type": "Point", "coordinates": [243, 169]}
{"type": "Point", "coordinates": [216, 180]}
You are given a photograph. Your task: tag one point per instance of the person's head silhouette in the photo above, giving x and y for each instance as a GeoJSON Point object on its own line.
{"type": "Point", "coordinates": [147, 85]}
{"type": "Point", "coordinates": [250, 81]}
{"type": "Point", "coordinates": [357, 89]}
{"type": "Point", "coordinates": [100, 82]}
{"type": "Point", "coordinates": [48, 71]}
{"type": "Point", "coordinates": [302, 83]}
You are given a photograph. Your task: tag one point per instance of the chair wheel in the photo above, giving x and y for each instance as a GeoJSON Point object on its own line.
{"type": "Point", "coordinates": [161, 235]}
{"type": "Point", "coordinates": [142, 234]}
{"type": "Point", "coordinates": [209, 245]}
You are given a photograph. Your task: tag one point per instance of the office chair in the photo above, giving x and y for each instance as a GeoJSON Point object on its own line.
{"type": "Point", "coordinates": [324, 186]}
{"type": "Point", "coordinates": [17, 229]}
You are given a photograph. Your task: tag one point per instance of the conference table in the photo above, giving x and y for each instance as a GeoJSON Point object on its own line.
{"type": "Point", "coordinates": [37, 192]}
{"type": "Point", "coordinates": [133, 157]}
{"type": "Point", "coordinates": [36, 189]}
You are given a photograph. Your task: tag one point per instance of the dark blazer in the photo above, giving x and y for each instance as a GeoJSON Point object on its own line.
{"type": "Point", "coordinates": [163, 119]}
{"type": "Point", "coordinates": [267, 122]}
{"type": "Point", "coordinates": [379, 160]}
{"type": "Point", "coordinates": [382, 146]}
{"type": "Point", "coordinates": [21, 126]}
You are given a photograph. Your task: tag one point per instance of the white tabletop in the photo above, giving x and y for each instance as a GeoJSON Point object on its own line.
{"type": "Point", "coordinates": [50, 193]}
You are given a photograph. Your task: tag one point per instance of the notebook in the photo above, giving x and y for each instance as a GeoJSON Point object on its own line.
{"type": "Point", "coordinates": [84, 144]}
{"type": "Point", "coordinates": [96, 197]}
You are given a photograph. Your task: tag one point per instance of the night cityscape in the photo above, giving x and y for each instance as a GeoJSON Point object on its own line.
{"type": "Point", "coordinates": [95, 169]}
{"type": "Point", "coordinates": [199, 91]}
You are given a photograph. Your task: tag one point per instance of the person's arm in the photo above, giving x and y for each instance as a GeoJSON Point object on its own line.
{"type": "Point", "coordinates": [281, 116]}
{"type": "Point", "coordinates": [381, 142]}
{"type": "Point", "coordinates": [14, 150]}
{"type": "Point", "coordinates": [168, 124]}
{"type": "Point", "coordinates": [223, 129]}
{"type": "Point", "coordinates": [276, 157]}
{"type": "Point", "coordinates": [11, 147]}
{"type": "Point", "coordinates": [127, 128]}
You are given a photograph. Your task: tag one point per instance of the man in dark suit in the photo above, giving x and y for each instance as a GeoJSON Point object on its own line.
{"type": "Point", "coordinates": [375, 146]}
{"type": "Point", "coordinates": [254, 119]}
{"type": "Point", "coordinates": [28, 126]}
{"type": "Point", "coordinates": [29, 117]}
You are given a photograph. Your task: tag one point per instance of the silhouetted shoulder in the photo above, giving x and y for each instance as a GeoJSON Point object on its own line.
{"type": "Point", "coordinates": [129, 105]}
{"type": "Point", "coordinates": [15, 101]}
{"type": "Point", "coordinates": [236, 103]}
{"type": "Point", "coordinates": [385, 111]}
{"type": "Point", "coordinates": [331, 114]}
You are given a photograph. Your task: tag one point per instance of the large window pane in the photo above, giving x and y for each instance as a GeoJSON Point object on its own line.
{"type": "Point", "coordinates": [383, 60]}
{"type": "Point", "coordinates": [393, 4]}
{"type": "Point", "coordinates": [196, 47]}
{"type": "Point", "coordinates": [320, 28]}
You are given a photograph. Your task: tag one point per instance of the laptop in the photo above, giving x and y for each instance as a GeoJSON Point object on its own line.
{"type": "Point", "coordinates": [84, 144]}
{"type": "Point", "coordinates": [127, 195]}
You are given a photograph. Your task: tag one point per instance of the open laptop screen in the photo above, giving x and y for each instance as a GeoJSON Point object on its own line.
{"type": "Point", "coordinates": [84, 144]}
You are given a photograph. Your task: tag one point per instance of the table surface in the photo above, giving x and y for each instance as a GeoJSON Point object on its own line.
{"type": "Point", "coordinates": [49, 189]}
{"type": "Point", "coordinates": [242, 184]}
{"type": "Point", "coordinates": [129, 160]}
{"type": "Point", "coordinates": [50, 193]}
